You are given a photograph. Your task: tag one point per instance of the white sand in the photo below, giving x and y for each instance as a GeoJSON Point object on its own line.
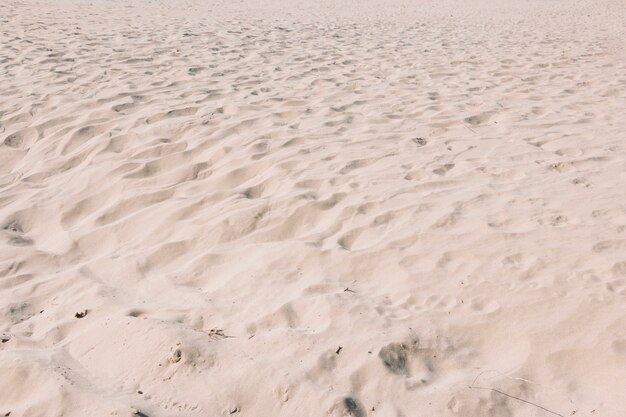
{"type": "Point", "coordinates": [235, 190]}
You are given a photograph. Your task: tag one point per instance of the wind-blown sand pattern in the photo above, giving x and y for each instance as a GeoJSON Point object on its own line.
{"type": "Point", "coordinates": [290, 208]}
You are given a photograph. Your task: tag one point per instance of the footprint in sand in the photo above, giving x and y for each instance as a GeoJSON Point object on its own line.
{"type": "Point", "coordinates": [22, 139]}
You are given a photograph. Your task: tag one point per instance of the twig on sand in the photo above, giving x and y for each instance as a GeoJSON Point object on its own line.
{"type": "Point", "coordinates": [217, 332]}
{"type": "Point", "coordinates": [470, 129]}
{"type": "Point", "coordinates": [517, 398]}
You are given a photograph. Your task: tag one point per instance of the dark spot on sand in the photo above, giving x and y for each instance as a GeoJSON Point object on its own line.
{"type": "Point", "coordinates": [81, 314]}
{"type": "Point", "coordinates": [135, 313]}
{"type": "Point", "coordinates": [13, 141]}
{"type": "Point", "coordinates": [395, 359]}
{"type": "Point", "coordinates": [353, 407]}
{"type": "Point", "coordinates": [420, 141]}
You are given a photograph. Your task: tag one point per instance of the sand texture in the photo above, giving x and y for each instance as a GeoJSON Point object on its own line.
{"type": "Point", "coordinates": [313, 208]}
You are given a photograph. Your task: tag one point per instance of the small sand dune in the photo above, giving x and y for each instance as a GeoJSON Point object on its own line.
{"type": "Point", "coordinates": [296, 208]}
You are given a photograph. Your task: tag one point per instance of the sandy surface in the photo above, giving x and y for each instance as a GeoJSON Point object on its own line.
{"type": "Point", "coordinates": [290, 208]}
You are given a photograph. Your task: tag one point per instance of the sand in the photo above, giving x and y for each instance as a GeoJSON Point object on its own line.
{"type": "Point", "coordinates": [298, 208]}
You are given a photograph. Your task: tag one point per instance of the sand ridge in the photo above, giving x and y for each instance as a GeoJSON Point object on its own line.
{"type": "Point", "coordinates": [356, 208]}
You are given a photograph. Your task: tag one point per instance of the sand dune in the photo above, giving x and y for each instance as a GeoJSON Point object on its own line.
{"type": "Point", "coordinates": [294, 208]}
